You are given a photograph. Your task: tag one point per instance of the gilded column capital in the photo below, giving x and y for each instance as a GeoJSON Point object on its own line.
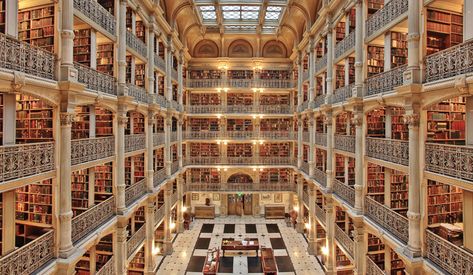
{"type": "Point", "coordinates": [411, 120]}
{"type": "Point", "coordinates": [66, 118]}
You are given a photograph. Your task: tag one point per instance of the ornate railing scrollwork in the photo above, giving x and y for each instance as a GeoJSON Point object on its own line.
{"type": "Point", "coordinates": [159, 63]}
{"type": "Point", "coordinates": [305, 198]}
{"type": "Point", "coordinates": [23, 160]}
{"type": "Point", "coordinates": [320, 64]}
{"type": "Point", "coordinates": [161, 101]}
{"type": "Point", "coordinates": [390, 12]}
{"type": "Point", "coordinates": [174, 167]}
{"type": "Point", "coordinates": [188, 135]}
{"type": "Point", "coordinates": [276, 84]}
{"type": "Point", "coordinates": [274, 109]}
{"type": "Point", "coordinates": [240, 187]}
{"type": "Point", "coordinates": [345, 45]}
{"type": "Point", "coordinates": [134, 192]}
{"type": "Point", "coordinates": [392, 150]}
{"type": "Point", "coordinates": [90, 149]}
{"type": "Point", "coordinates": [158, 215]}
{"type": "Point", "coordinates": [305, 167]}
{"type": "Point", "coordinates": [30, 257]}
{"type": "Point", "coordinates": [173, 136]}
{"type": "Point", "coordinates": [392, 221]}
{"type": "Point", "coordinates": [386, 81]}
{"type": "Point", "coordinates": [174, 74]}
{"type": "Point", "coordinates": [306, 137]}
{"type": "Point", "coordinates": [139, 94]}
{"type": "Point", "coordinates": [159, 176]}
{"type": "Point", "coordinates": [449, 160]}
{"type": "Point", "coordinates": [343, 93]}
{"type": "Point", "coordinates": [320, 213]}
{"type": "Point", "coordinates": [319, 101]}
{"type": "Point", "coordinates": [135, 142]}
{"type": "Point", "coordinates": [22, 57]}
{"type": "Point", "coordinates": [204, 83]}
{"type": "Point", "coordinates": [372, 268]}
{"type": "Point", "coordinates": [205, 109]}
{"type": "Point", "coordinates": [345, 192]}
{"type": "Point", "coordinates": [321, 139]}
{"type": "Point", "coordinates": [108, 268]}
{"type": "Point", "coordinates": [345, 241]}
{"type": "Point", "coordinates": [94, 11]}
{"type": "Point", "coordinates": [94, 217]}
{"type": "Point", "coordinates": [136, 44]}
{"type": "Point", "coordinates": [320, 177]}
{"type": "Point", "coordinates": [158, 139]}
{"type": "Point", "coordinates": [278, 135]}
{"type": "Point", "coordinates": [451, 258]}
{"type": "Point", "coordinates": [136, 240]}
{"type": "Point", "coordinates": [345, 143]}
{"type": "Point", "coordinates": [95, 80]}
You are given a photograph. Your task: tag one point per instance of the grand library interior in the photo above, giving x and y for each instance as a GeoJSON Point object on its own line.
{"type": "Point", "coordinates": [236, 137]}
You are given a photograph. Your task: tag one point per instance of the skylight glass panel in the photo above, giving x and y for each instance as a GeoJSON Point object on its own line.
{"type": "Point", "coordinates": [240, 12]}
{"type": "Point", "coordinates": [273, 13]}
{"type": "Point", "coordinates": [208, 12]}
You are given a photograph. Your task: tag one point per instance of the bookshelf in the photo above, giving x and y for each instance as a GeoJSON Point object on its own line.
{"type": "Point", "coordinates": [36, 26]}
{"type": "Point", "coordinates": [83, 265]}
{"type": "Point", "coordinates": [274, 149]}
{"type": "Point", "coordinates": [444, 30]}
{"type": "Point", "coordinates": [240, 150]}
{"type": "Point", "coordinates": [158, 159]}
{"type": "Point", "coordinates": [351, 70]}
{"type": "Point", "coordinates": [108, 5]}
{"type": "Point", "coordinates": [81, 124]}
{"type": "Point", "coordinates": [2, 16]}
{"type": "Point", "coordinates": [140, 31]}
{"type": "Point", "coordinates": [375, 60]}
{"type": "Point", "coordinates": [234, 124]}
{"type": "Point", "coordinates": [140, 75]}
{"type": "Point", "coordinates": [139, 167]}
{"type": "Point", "coordinates": [80, 191]}
{"type": "Point", "coordinates": [205, 74]}
{"type": "Point", "coordinates": [341, 259]}
{"type": "Point", "coordinates": [204, 150]}
{"type": "Point", "coordinates": [204, 124]}
{"type": "Point", "coordinates": [320, 126]}
{"type": "Point", "coordinates": [305, 152]}
{"type": "Point", "coordinates": [276, 124]}
{"type": "Point", "coordinates": [103, 122]}
{"type": "Point", "coordinates": [103, 188]}
{"type": "Point", "coordinates": [240, 74]}
{"type": "Point", "coordinates": [376, 250]}
{"type": "Point", "coordinates": [240, 178]}
{"type": "Point", "coordinates": [34, 120]}
{"type": "Point", "coordinates": [139, 217]}
{"type": "Point", "coordinates": [399, 129]}
{"type": "Point", "coordinates": [138, 123]}
{"type": "Point", "coordinates": [397, 265]}
{"type": "Point", "coordinates": [275, 99]}
{"type": "Point", "coordinates": [398, 49]}
{"type": "Point", "coordinates": [319, 85]}
{"type": "Point", "coordinates": [239, 99]}
{"type": "Point", "coordinates": [128, 171]}
{"type": "Point", "coordinates": [205, 99]}
{"type": "Point", "coordinates": [1, 120]}
{"type": "Point", "coordinates": [159, 125]}
{"type": "Point", "coordinates": [399, 192]}
{"type": "Point", "coordinates": [444, 203]}
{"type": "Point", "coordinates": [374, 6]}
{"type": "Point", "coordinates": [340, 217]}
{"type": "Point", "coordinates": [129, 19]}
{"type": "Point", "coordinates": [137, 265]}
{"type": "Point", "coordinates": [174, 152]}
{"type": "Point", "coordinates": [446, 121]}
{"type": "Point", "coordinates": [343, 122]}
{"type": "Point", "coordinates": [320, 159]}
{"type": "Point", "coordinates": [128, 68]}
{"type": "Point", "coordinates": [103, 251]}
{"type": "Point", "coordinates": [105, 58]}
{"type": "Point", "coordinates": [351, 15]}
{"type": "Point", "coordinates": [340, 167]}
{"type": "Point", "coordinates": [340, 31]}
{"type": "Point", "coordinates": [205, 175]}
{"type": "Point", "coordinates": [275, 74]}
{"type": "Point", "coordinates": [82, 46]}
{"type": "Point", "coordinates": [351, 171]}
{"type": "Point", "coordinates": [275, 175]}
{"type": "Point", "coordinates": [1, 224]}
{"type": "Point", "coordinates": [376, 121]}
{"type": "Point", "coordinates": [375, 182]}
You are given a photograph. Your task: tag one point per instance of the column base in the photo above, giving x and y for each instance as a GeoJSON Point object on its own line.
{"type": "Point", "coordinates": [167, 248]}
{"type": "Point", "coordinates": [180, 227]}
{"type": "Point", "coordinates": [411, 253]}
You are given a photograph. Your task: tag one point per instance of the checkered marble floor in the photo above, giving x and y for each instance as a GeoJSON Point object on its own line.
{"type": "Point", "coordinates": [190, 247]}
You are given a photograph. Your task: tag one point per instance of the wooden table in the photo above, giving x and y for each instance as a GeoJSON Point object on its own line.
{"type": "Point", "coordinates": [268, 262]}
{"type": "Point", "coordinates": [204, 211]}
{"type": "Point", "coordinates": [247, 244]}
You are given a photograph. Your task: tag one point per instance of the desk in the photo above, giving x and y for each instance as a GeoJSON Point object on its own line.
{"type": "Point", "coordinates": [274, 211]}
{"type": "Point", "coordinates": [204, 211]}
{"type": "Point", "coordinates": [248, 244]}
{"type": "Point", "coordinates": [268, 262]}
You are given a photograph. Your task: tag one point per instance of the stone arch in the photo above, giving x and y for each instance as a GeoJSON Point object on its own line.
{"type": "Point", "coordinates": [240, 178]}
{"type": "Point", "coordinates": [206, 48]}
{"type": "Point", "coordinates": [240, 48]}
{"type": "Point", "coordinates": [274, 48]}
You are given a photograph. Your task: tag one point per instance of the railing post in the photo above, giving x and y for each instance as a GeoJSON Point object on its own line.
{"type": "Point", "coordinates": [330, 228]}
{"type": "Point", "coordinates": [412, 74]}
{"type": "Point", "coordinates": [149, 240]}
{"type": "Point", "coordinates": [358, 90]}
{"type": "Point", "coordinates": [67, 70]}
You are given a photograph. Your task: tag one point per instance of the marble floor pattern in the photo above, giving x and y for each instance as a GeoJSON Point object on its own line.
{"type": "Point", "coordinates": [190, 247]}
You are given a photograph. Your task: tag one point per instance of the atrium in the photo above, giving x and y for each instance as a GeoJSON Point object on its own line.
{"type": "Point", "coordinates": [236, 137]}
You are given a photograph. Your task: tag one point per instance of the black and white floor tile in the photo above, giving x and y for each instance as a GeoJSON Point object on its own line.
{"type": "Point", "coordinates": [190, 248]}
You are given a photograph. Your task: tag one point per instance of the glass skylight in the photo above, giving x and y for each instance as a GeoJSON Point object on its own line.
{"type": "Point", "coordinates": [243, 15]}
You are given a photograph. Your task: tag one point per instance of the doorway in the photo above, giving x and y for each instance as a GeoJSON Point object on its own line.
{"type": "Point", "coordinates": [240, 204]}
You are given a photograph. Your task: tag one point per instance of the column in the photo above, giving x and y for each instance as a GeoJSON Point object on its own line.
{"type": "Point", "coordinates": [330, 154]}
{"type": "Point", "coordinates": [149, 151]}
{"type": "Point", "coordinates": [180, 78]}
{"type": "Point", "coordinates": [8, 221]}
{"type": "Point", "coordinates": [93, 260]}
{"type": "Point", "coordinates": [256, 205]}
{"type": "Point", "coordinates": [300, 201]}
{"type": "Point", "coordinates": [120, 159]}
{"type": "Point", "coordinates": [299, 141]}
{"type": "Point", "coordinates": [150, 36]}
{"type": "Point", "coordinates": [467, 219]}
{"type": "Point", "coordinates": [300, 71]}
{"type": "Point", "coordinates": [93, 49]}
{"type": "Point", "coordinates": [412, 74]}
{"type": "Point", "coordinates": [330, 221]}
{"type": "Point", "coordinates": [311, 144]}
{"type": "Point", "coordinates": [167, 143]}
{"type": "Point", "coordinates": [312, 246]}
{"type": "Point", "coordinates": [357, 121]}
{"type": "Point", "coordinates": [359, 249]}
{"type": "Point", "coordinates": [180, 204]}
{"type": "Point", "coordinates": [167, 244]}
{"type": "Point", "coordinates": [411, 118]}
{"type": "Point", "coordinates": [67, 70]}
{"type": "Point", "coordinates": [120, 249]}
{"type": "Point", "coordinates": [121, 42]}
{"type": "Point", "coordinates": [168, 80]}
{"type": "Point", "coordinates": [358, 90]}
{"type": "Point", "coordinates": [467, 20]}
{"type": "Point", "coordinates": [387, 51]}
{"type": "Point", "coordinates": [311, 69]}
{"type": "Point", "coordinates": [65, 211]}
{"type": "Point", "coordinates": [180, 122]}
{"type": "Point", "coordinates": [329, 79]}
{"type": "Point", "coordinates": [149, 240]}
{"type": "Point", "coordinates": [11, 20]}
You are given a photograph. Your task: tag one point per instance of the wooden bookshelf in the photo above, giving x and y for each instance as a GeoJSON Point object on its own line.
{"type": "Point", "coordinates": [275, 175]}
{"type": "Point", "coordinates": [398, 49]}
{"type": "Point", "coordinates": [205, 175]}
{"type": "Point", "coordinates": [82, 46]}
{"type": "Point", "coordinates": [83, 265]}
{"type": "Point", "coordinates": [444, 30]}
{"type": "Point", "coordinates": [240, 150]}
{"type": "Point", "coordinates": [81, 124]}
{"type": "Point", "coordinates": [343, 121]}
{"type": "Point", "coordinates": [140, 75]}
{"type": "Point", "coordinates": [205, 99]}
{"type": "Point", "coordinates": [1, 120]}
{"type": "Point", "coordinates": [375, 60]}
{"type": "Point", "coordinates": [138, 121]}
{"type": "Point", "coordinates": [276, 124]}
{"type": "Point", "coordinates": [105, 58]}
{"type": "Point", "coordinates": [204, 150]}
{"type": "Point", "coordinates": [137, 265]}
{"type": "Point", "coordinates": [108, 5]}
{"type": "Point", "coordinates": [34, 120]}
{"type": "Point", "coordinates": [204, 124]}
{"type": "Point", "coordinates": [36, 26]}
{"type": "Point", "coordinates": [374, 6]}
{"type": "Point", "coordinates": [103, 182]}
{"type": "Point", "coordinates": [340, 167]}
{"type": "Point", "coordinates": [375, 182]}
{"type": "Point", "coordinates": [128, 71]}
{"type": "Point", "coordinates": [174, 152]}
{"type": "Point", "coordinates": [341, 259]}
{"type": "Point", "coordinates": [103, 251]}
{"type": "Point", "coordinates": [139, 167]}
{"type": "Point", "coordinates": [205, 74]}
{"type": "Point", "coordinates": [80, 191]}
{"type": "Point", "coordinates": [160, 81]}
{"type": "Point", "coordinates": [140, 31]}
{"type": "Point", "coordinates": [158, 159]}
{"type": "Point", "coordinates": [129, 19]}
{"type": "Point", "coordinates": [399, 129]}
{"type": "Point", "coordinates": [1, 224]}
{"type": "Point", "coordinates": [340, 31]}
{"type": "Point", "coordinates": [351, 15]}
{"type": "Point", "coordinates": [444, 203]}
{"type": "Point", "coordinates": [2, 16]}
{"type": "Point", "coordinates": [351, 171]}
{"type": "Point", "coordinates": [240, 74]}
{"type": "Point", "coordinates": [103, 122]}
{"type": "Point", "coordinates": [399, 192]}
{"type": "Point", "coordinates": [376, 121]}
{"type": "Point", "coordinates": [159, 125]}
{"type": "Point", "coordinates": [320, 159]}
{"type": "Point", "coordinates": [139, 217]}
{"type": "Point", "coordinates": [351, 70]}
{"type": "Point", "coordinates": [340, 217]}
{"type": "Point", "coordinates": [275, 74]}
{"type": "Point", "coordinates": [397, 265]}
{"type": "Point", "coordinates": [446, 121]}
{"type": "Point", "coordinates": [275, 99]}
{"type": "Point", "coordinates": [281, 149]}
{"type": "Point", "coordinates": [234, 124]}
{"type": "Point", "coordinates": [239, 99]}
{"type": "Point", "coordinates": [376, 250]}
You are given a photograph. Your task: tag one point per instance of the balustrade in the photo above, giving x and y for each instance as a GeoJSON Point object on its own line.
{"type": "Point", "coordinates": [342, 47]}
{"type": "Point", "coordinates": [451, 258]}
{"type": "Point", "coordinates": [188, 135]}
{"type": "Point", "coordinates": [390, 220]}
{"type": "Point", "coordinates": [204, 109]}
{"type": "Point", "coordinates": [319, 101]}
{"type": "Point", "coordinates": [23, 160]}
{"type": "Point", "coordinates": [276, 84]}
{"type": "Point", "coordinates": [305, 167]}
{"type": "Point", "coordinates": [135, 241]}
{"type": "Point", "coordinates": [240, 83]}
{"type": "Point", "coordinates": [320, 177]}
{"type": "Point", "coordinates": [306, 137]}
{"type": "Point", "coordinates": [345, 240]}
{"type": "Point", "coordinates": [391, 11]}
{"type": "Point", "coordinates": [386, 81]}
{"type": "Point", "coordinates": [30, 257]}
{"type": "Point", "coordinates": [159, 215]}
{"type": "Point", "coordinates": [158, 139]}
{"type": "Point", "coordinates": [343, 93]}
{"type": "Point", "coordinates": [174, 198]}
{"type": "Point", "coordinates": [159, 176]}
{"type": "Point", "coordinates": [320, 213]}
{"type": "Point", "coordinates": [321, 64]}
{"type": "Point", "coordinates": [108, 268]}
{"type": "Point", "coordinates": [345, 143]}
{"type": "Point", "coordinates": [95, 12]}
{"type": "Point", "coordinates": [161, 101]}
{"type": "Point", "coordinates": [345, 192]}
{"type": "Point", "coordinates": [22, 57]}
{"type": "Point", "coordinates": [276, 161]}
{"type": "Point", "coordinates": [135, 142]}
{"type": "Point", "coordinates": [136, 44]}
{"type": "Point", "coordinates": [372, 268]}
{"type": "Point", "coordinates": [321, 139]}
{"type": "Point", "coordinates": [174, 167]}
{"type": "Point", "coordinates": [392, 150]}
{"type": "Point", "coordinates": [240, 187]}
{"type": "Point", "coordinates": [449, 160]}
{"type": "Point", "coordinates": [88, 221]}
{"type": "Point", "coordinates": [278, 135]}
{"type": "Point", "coordinates": [159, 63]}
{"type": "Point", "coordinates": [173, 136]}
{"type": "Point", "coordinates": [305, 198]}
{"type": "Point", "coordinates": [95, 80]}
{"type": "Point", "coordinates": [204, 83]}
{"type": "Point", "coordinates": [174, 74]}
{"type": "Point", "coordinates": [274, 109]}
{"type": "Point", "coordinates": [304, 105]}
{"type": "Point", "coordinates": [90, 149]}
{"type": "Point", "coordinates": [241, 134]}
{"type": "Point", "coordinates": [139, 94]}
{"type": "Point", "coordinates": [134, 192]}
